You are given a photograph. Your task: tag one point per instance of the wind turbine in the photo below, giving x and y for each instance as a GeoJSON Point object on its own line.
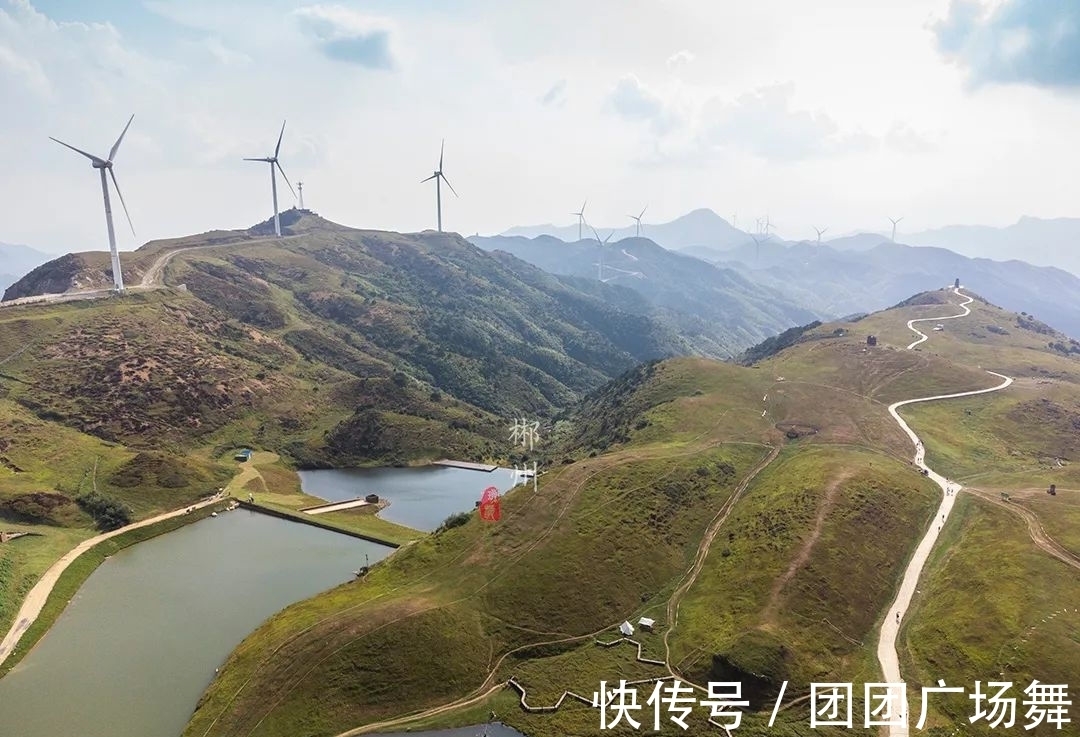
{"type": "Point", "coordinates": [894, 222]}
{"type": "Point", "coordinates": [600, 265]}
{"type": "Point", "coordinates": [102, 164]}
{"type": "Point", "coordinates": [820, 231]}
{"type": "Point", "coordinates": [758, 240]}
{"type": "Point", "coordinates": [580, 218]}
{"type": "Point", "coordinates": [273, 161]}
{"type": "Point", "coordinates": [438, 176]}
{"type": "Point", "coordinates": [637, 220]}
{"type": "Point", "coordinates": [300, 186]}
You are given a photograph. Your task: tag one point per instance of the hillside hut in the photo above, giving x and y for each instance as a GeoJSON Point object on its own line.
{"type": "Point", "coordinates": [646, 624]}
{"type": "Point", "coordinates": [372, 498]}
{"type": "Point", "coordinates": [243, 455]}
{"type": "Point", "coordinates": [871, 340]}
{"type": "Point", "coordinates": [626, 628]}
{"type": "Point", "coordinates": [956, 284]}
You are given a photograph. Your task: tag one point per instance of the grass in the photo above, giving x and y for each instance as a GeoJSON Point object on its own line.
{"type": "Point", "coordinates": [811, 556]}
{"type": "Point", "coordinates": [991, 607]}
{"type": "Point", "coordinates": [81, 568]}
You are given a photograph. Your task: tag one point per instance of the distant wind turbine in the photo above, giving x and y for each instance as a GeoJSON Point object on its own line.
{"type": "Point", "coordinates": [820, 232]}
{"type": "Point", "coordinates": [438, 176]}
{"type": "Point", "coordinates": [768, 225]}
{"type": "Point", "coordinates": [758, 240]}
{"type": "Point", "coordinates": [602, 243]}
{"type": "Point", "coordinates": [273, 161]}
{"type": "Point", "coordinates": [637, 220]}
{"type": "Point", "coordinates": [300, 186]}
{"type": "Point", "coordinates": [102, 164]}
{"type": "Point", "coordinates": [894, 222]}
{"type": "Point", "coordinates": [580, 218]}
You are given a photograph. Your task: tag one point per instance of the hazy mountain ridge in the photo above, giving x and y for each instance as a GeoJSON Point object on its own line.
{"type": "Point", "coordinates": [701, 227]}
{"type": "Point", "coordinates": [1039, 241]}
{"type": "Point", "coordinates": [16, 260]}
{"type": "Point", "coordinates": [719, 309]}
{"type": "Point", "coordinates": [848, 281]}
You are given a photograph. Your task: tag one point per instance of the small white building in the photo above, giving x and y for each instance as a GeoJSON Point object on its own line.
{"type": "Point", "coordinates": [646, 624]}
{"type": "Point", "coordinates": [626, 628]}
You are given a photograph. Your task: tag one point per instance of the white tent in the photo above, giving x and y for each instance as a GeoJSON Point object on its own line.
{"type": "Point", "coordinates": [646, 623]}
{"type": "Point", "coordinates": [626, 628]}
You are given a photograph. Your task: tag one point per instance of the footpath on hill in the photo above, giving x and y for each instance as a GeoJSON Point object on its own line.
{"type": "Point", "coordinates": [890, 627]}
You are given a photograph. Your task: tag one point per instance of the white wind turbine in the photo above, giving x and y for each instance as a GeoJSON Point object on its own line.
{"type": "Point", "coordinates": [300, 186]}
{"type": "Point", "coordinates": [894, 222]}
{"type": "Point", "coordinates": [102, 164]}
{"type": "Point", "coordinates": [273, 161]}
{"type": "Point", "coordinates": [602, 243]}
{"type": "Point", "coordinates": [438, 176]}
{"type": "Point", "coordinates": [820, 232]}
{"type": "Point", "coordinates": [580, 218]}
{"type": "Point", "coordinates": [637, 220]}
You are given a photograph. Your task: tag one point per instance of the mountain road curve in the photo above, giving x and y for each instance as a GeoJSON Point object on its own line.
{"type": "Point", "coordinates": [152, 279]}
{"type": "Point", "coordinates": [890, 627]}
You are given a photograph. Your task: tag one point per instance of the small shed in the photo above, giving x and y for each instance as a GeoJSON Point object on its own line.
{"type": "Point", "coordinates": [646, 624]}
{"type": "Point", "coordinates": [956, 284]}
{"type": "Point", "coordinates": [372, 498]}
{"type": "Point", "coordinates": [871, 340]}
{"type": "Point", "coordinates": [626, 628]}
{"type": "Point", "coordinates": [243, 455]}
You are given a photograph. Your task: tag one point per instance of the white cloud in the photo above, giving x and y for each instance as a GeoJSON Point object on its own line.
{"type": "Point", "coordinates": [680, 59]}
{"type": "Point", "coordinates": [346, 35]}
{"type": "Point", "coordinates": [26, 71]}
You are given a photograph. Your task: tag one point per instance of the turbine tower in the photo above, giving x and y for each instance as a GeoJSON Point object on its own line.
{"type": "Point", "coordinates": [438, 176]}
{"type": "Point", "coordinates": [820, 231]}
{"type": "Point", "coordinates": [102, 165]}
{"type": "Point", "coordinates": [758, 240]}
{"type": "Point", "coordinates": [580, 218]}
{"type": "Point", "coordinates": [300, 186]}
{"type": "Point", "coordinates": [637, 221]}
{"type": "Point", "coordinates": [894, 222]}
{"type": "Point", "coordinates": [602, 243]}
{"type": "Point", "coordinates": [273, 161]}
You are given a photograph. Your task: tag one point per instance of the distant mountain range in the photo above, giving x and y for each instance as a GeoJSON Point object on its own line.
{"type": "Point", "coordinates": [701, 227]}
{"type": "Point", "coordinates": [1041, 242]}
{"type": "Point", "coordinates": [860, 279]}
{"type": "Point", "coordinates": [16, 260]}
{"type": "Point", "coordinates": [1034, 240]}
{"type": "Point", "coordinates": [718, 309]}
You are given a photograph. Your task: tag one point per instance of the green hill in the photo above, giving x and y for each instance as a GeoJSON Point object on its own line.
{"type": "Point", "coordinates": [767, 547]}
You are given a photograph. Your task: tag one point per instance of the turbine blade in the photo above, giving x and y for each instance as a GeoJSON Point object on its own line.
{"type": "Point", "coordinates": [278, 164]}
{"type": "Point", "coordinates": [597, 235]}
{"type": "Point", "coordinates": [428, 179]}
{"type": "Point", "coordinates": [441, 147]}
{"type": "Point", "coordinates": [583, 207]}
{"type": "Point", "coordinates": [447, 181]}
{"type": "Point", "coordinates": [263, 159]}
{"type": "Point", "coordinates": [116, 146]}
{"type": "Point", "coordinates": [643, 212]}
{"type": "Point", "coordinates": [278, 147]}
{"type": "Point", "coordinates": [95, 159]}
{"type": "Point", "coordinates": [122, 203]}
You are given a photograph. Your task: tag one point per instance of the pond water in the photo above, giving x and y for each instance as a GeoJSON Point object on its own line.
{"type": "Point", "coordinates": [139, 643]}
{"type": "Point", "coordinates": [420, 497]}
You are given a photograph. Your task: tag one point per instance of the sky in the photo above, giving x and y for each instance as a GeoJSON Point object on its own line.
{"type": "Point", "coordinates": [835, 113]}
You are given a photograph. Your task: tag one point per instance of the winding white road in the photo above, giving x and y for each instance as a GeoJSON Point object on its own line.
{"type": "Point", "coordinates": [886, 650]}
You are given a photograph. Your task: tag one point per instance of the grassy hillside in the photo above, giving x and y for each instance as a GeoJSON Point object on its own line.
{"type": "Point", "coordinates": [763, 515]}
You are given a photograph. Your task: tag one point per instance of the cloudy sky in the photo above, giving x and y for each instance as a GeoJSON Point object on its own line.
{"type": "Point", "coordinates": [835, 113]}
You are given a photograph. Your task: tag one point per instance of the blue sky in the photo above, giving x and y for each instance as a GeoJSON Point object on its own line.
{"type": "Point", "coordinates": [838, 112]}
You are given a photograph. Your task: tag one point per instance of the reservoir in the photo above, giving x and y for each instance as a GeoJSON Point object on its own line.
{"type": "Point", "coordinates": [136, 647]}
{"type": "Point", "coordinates": [420, 497]}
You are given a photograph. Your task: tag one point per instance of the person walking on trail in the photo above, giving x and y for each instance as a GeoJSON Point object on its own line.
{"type": "Point", "coordinates": [898, 617]}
